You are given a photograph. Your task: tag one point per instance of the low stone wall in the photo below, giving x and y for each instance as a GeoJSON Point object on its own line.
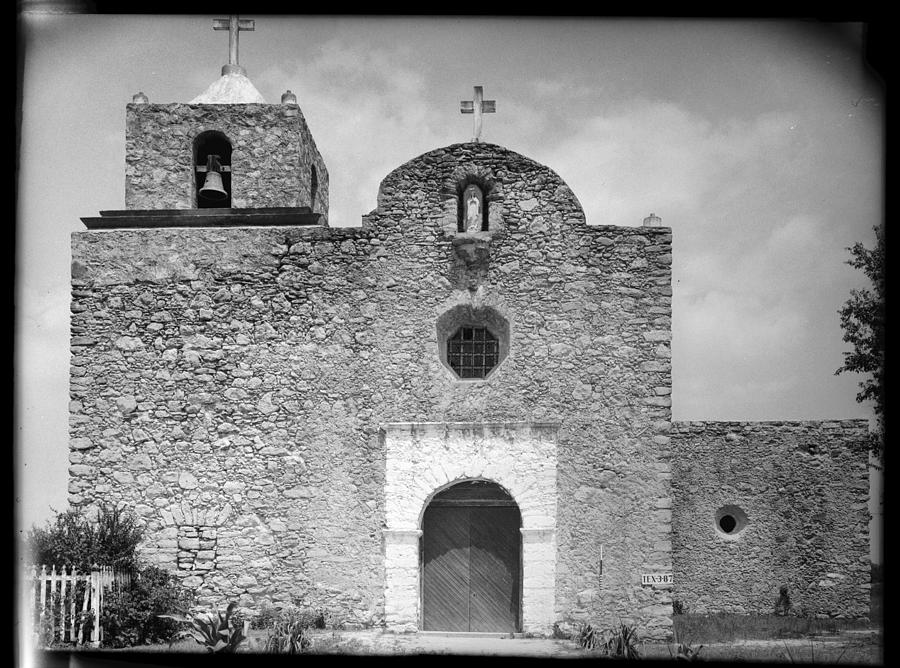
{"type": "Point", "coordinates": [800, 488]}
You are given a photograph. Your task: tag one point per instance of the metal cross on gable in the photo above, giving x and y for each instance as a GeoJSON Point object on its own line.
{"type": "Point", "coordinates": [233, 25]}
{"type": "Point", "coordinates": [477, 106]}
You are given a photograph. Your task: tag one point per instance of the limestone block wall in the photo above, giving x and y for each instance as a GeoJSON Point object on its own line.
{"type": "Point", "coordinates": [230, 384]}
{"type": "Point", "coordinates": [215, 387]}
{"type": "Point", "coordinates": [589, 312]}
{"type": "Point", "coordinates": [804, 489]}
{"type": "Point", "coordinates": [273, 155]}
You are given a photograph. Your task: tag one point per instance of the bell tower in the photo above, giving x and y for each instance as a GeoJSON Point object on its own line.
{"type": "Point", "coordinates": [226, 158]}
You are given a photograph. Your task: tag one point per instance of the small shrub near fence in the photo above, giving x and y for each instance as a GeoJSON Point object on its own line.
{"type": "Point", "coordinates": [130, 615]}
{"type": "Point", "coordinates": [103, 606]}
{"type": "Point", "coordinates": [66, 603]}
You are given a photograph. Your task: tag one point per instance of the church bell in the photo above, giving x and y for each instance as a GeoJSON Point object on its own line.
{"type": "Point", "coordinates": [212, 185]}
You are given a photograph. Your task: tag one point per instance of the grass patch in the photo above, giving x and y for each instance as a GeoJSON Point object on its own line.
{"type": "Point", "coordinates": [775, 652]}
{"type": "Point", "coordinates": [728, 627]}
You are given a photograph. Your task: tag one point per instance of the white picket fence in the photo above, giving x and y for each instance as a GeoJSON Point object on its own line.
{"type": "Point", "coordinates": [61, 605]}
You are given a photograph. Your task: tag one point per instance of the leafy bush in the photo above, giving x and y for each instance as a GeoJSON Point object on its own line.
{"type": "Point", "coordinates": [269, 616]}
{"type": "Point", "coordinates": [288, 627]}
{"type": "Point", "coordinates": [131, 614]}
{"type": "Point", "coordinates": [288, 637]}
{"type": "Point", "coordinates": [559, 634]}
{"type": "Point", "coordinates": [783, 604]}
{"type": "Point", "coordinates": [74, 540]}
{"type": "Point", "coordinates": [316, 617]}
{"type": "Point", "coordinates": [677, 607]}
{"type": "Point", "coordinates": [311, 619]}
{"type": "Point", "coordinates": [49, 623]}
{"type": "Point", "coordinates": [686, 652]}
{"type": "Point", "coordinates": [214, 630]}
{"type": "Point", "coordinates": [53, 623]}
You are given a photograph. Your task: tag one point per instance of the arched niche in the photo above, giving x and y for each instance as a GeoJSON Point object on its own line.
{"type": "Point", "coordinates": [473, 203]}
{"type": "Point", "coordinates": [215, 144]}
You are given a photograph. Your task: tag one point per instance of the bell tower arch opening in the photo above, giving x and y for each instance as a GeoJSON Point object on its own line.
{"type": "Point", "coordinates": [212, 170]}
{"type": "Point", "coordinates": [472, 560]}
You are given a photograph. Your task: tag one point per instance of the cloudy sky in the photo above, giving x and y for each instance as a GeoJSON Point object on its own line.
{"type": "Point", "coordinates": [758, 142]}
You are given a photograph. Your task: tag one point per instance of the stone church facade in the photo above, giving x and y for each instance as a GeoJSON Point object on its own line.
{"type": "Point", "coordinates": [446, 419]}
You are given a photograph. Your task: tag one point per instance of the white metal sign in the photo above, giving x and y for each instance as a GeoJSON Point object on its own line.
{"type": "Point", "coordinates": [657, 579]}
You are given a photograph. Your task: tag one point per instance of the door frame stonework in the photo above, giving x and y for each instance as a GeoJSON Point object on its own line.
{"type": "Point", "coordinates": [422, 459]}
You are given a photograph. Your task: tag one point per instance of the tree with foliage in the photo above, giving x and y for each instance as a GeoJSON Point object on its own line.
{"type": "Point", "coordinates": [74, 540]}
{"type": "Point", "coordinates": [131, 611]}
{"type": "Point", "coordinates": [862, 319]}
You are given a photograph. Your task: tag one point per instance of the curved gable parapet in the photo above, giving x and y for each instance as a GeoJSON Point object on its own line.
{"type": "Point", "coordinates": [427, 192]}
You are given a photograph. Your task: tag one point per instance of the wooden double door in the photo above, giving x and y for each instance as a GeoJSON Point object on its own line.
{"type": "Point", "coordinates": [471, 580]}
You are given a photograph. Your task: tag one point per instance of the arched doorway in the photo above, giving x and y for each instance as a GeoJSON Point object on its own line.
{"type": "Point", "coordinates": [472, 560]}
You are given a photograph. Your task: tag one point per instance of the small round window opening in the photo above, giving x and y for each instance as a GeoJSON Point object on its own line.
{"type": "Point", "coordinates": [730, 521]}
{"type": "Point", "coordinates": [473, 352]}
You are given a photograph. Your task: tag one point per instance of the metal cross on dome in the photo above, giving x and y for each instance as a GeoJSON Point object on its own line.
{"type": "Point", "coordinates": [233, 25]}
{"type": "Point", "coordinates": [477, 106]}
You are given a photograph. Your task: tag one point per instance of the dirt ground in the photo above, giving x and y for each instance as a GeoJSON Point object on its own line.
{"type": "Point", "coordinates": [848, 647]}
{"type": "Point", "coordinates": [378, 642]}
{"type": "Point", "coordinates": [852, 647]}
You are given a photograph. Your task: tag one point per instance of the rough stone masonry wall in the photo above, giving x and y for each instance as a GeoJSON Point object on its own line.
{"type": "Point", "coordinates": [229, 384]}
{"type": "Point", "coordinates": [589, 311]}
{"type": "Point", "coordinates": [804, 488]}
{"type": "Point", "coordinates": [219, 389]}
{"type": "Point", "coordinates": [273, 154]}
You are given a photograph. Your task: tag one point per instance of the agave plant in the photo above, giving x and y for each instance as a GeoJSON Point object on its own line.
{"type": "Point", "coordinates": [622, 643]}
{"type": "Point", "coordinates": [213, 630]}
{"type": "Point", "coordinates": [588, 637]}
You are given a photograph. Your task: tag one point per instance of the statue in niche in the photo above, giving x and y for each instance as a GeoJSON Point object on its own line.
{"type": "Point", "coordinates": [472, 199]}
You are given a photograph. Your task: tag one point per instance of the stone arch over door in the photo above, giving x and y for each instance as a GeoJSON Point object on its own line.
{"type": "Point", "coordinates": [472, 559]}
{"type": "Point", "coordinates": [421, 459]}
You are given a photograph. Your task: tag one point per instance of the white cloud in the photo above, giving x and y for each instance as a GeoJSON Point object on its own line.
{"type": "Point", "coordinates": [757, 261]}
{"type": "Point", "coordinates": [41, 401]}
{"type": "Point", "coordinates": [376, 120]}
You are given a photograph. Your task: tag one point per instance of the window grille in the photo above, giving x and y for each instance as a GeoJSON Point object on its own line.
{"type": "Point", "coordinates": [472, 352]}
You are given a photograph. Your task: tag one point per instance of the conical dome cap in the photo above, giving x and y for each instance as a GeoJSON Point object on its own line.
{"type": "Point", "coordinates": [230, 88]}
